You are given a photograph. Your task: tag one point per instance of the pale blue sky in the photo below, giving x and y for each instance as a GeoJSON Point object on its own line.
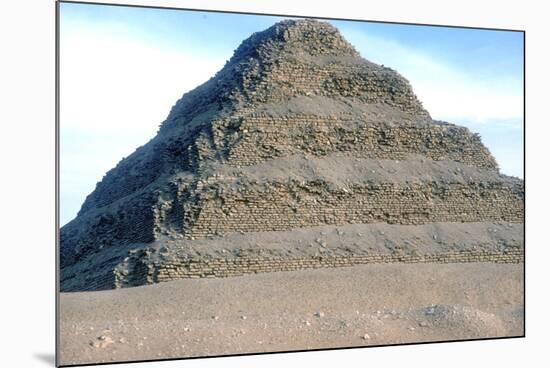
{"type": "Point", "coordinates": [122, 69]}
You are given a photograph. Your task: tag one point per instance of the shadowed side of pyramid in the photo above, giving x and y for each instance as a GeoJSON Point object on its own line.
{"type": "Point", "coordinates": [295, 133]}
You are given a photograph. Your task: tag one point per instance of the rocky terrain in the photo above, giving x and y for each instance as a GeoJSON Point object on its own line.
{"type": "Point", "coordinates": [366, 305]}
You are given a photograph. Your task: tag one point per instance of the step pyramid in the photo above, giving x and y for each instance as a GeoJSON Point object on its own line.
{"type": "Point", "coordinates": [297, 154]}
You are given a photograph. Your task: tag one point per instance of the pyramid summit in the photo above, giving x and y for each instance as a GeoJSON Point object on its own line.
{"type": "Point", "coordinates": [299, 57]}
{"type": "Point", "coordinates": [296, 136]}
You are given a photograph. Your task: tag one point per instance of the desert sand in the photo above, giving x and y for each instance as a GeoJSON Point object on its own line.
{"type": "Point", "coordinates": [366, 305]}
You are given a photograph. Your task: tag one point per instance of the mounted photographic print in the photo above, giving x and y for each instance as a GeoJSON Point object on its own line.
{"type": "Point", "coordinates": [237, 183]}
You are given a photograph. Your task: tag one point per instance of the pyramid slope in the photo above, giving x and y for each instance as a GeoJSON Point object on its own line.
{"type": "Point", "coordinates": [251, 78]}
{"type": "Point", "coordinates": [296, 131]}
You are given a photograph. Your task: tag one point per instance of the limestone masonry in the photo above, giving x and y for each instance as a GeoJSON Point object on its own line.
{"type": "Point", "coordinates": [297, 154]}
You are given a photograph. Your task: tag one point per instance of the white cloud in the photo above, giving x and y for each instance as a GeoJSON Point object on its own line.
{"type": "Point", "coordinates": [446, 92]}
{"type": "Point", "coordinates": [108, 79]}
{"type": "Point", "coordinates": [489, 106]}
{"type": "Point", "coordinates": [114, 93]}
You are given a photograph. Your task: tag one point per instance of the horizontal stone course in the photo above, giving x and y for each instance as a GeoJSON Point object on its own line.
{"type": "Point", "coordinates": [368, 82]}
{"type": "Point", "coordinates": [296, 89]}
{"type": "Point", "coordinates": [228, 267]}
{"type": "Point", "coordinates": [286, 206]}
{"type": "Point", "coordinates": [262, 138]}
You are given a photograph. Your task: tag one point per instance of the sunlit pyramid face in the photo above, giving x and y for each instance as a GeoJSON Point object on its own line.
{"type": "Point", "coordinates": [296, 131]}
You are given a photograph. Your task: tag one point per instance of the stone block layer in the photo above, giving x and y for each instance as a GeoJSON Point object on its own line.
{"type": "Point", "coordinates": [297, 131]}
{"type": "Point", "coordinates": [286, 206]}
{"type": "Point", "coordinates": [239, 267]}
{"type": "Point", "coordinates": [305, 248]}
{"type": "Point", "coordinates": [263, 138]}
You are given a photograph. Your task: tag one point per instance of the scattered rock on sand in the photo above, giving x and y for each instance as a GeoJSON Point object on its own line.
{"type": "Point", "coordinates": [430, 310]}
{"type": "Point", "coordinates": [102, 342]}
{"type": "Point", "coordinates": [285, 317]}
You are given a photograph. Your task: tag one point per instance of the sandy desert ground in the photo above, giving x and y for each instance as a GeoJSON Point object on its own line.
{"type": "Point", "coordinates": [310, 309]}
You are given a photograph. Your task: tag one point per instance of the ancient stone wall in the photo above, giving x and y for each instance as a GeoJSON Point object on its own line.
{"type": "Point", "coordinates": [226, 267]}
{"type": "Point", "coordinates": [254, 139]}
{"type": "Point", "coordinates": [326, 246]}
{"type": "Point", "coordinates": [303, 59]}
{"type": "Point", "coordinates": [286, 206]}
{"type": "Point", "coordinates": [132, 221]}
{"type": "Point", "coordinates": [236, 155]}
{"type": "Point", "coordinates": [103, 281]}
{"type": "Point", "coordinates": [144, 273]}
{"type": "Point", "coordinates": [368, 82]}
{"type": "Point", "coordinates": [262, 138]}
{"type": "Point", "coordinates": [130, 175]}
